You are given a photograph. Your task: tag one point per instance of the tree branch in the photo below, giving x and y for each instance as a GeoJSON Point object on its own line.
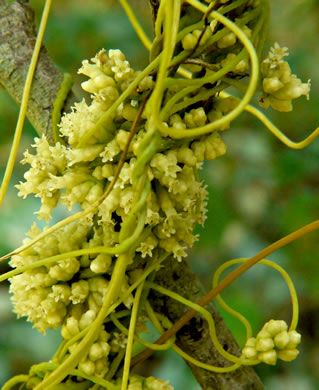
{"type": "Point", "coordinates": [17, 38]}
{"type": "Point", "coordinates": [194, 338]}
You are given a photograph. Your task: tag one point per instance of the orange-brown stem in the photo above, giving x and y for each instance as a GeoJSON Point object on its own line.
{"type": "Point", "coordinates": [225, 283]}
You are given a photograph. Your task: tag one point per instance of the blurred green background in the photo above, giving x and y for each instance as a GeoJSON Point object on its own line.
{"type": "Point", "coordinates": [259, 192]}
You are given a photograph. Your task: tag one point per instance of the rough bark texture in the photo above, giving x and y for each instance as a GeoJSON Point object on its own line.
{"type": "Point", "coordinates": [194, 338]}
{"type": "Point", "coordinates": [17, 38]}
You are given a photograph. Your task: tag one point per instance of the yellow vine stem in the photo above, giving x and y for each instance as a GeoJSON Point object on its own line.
{"type": "Point", "coordinates": [155, 347]}
{"type": "Point", "coordinates": [58, 104]}
{"type": "Point", "coordinates": [178, 133]}
{"type": "Point", "coordinates": [137, 27]}
{"type": "Point", "coordinates": [116, 250]}
{"type": "Point", "coordinates": [159, 19]}
{"type": "Point", "coordinates": [128, 228]}
{"type": "Point", "coordinates": [24, 102]}
{"type": "Point", "coordinates": [223, 304]}
{"type": "Point", "coordinates": [64, 346]}
{"type": "Point", "coordinates": [187, 101]}
{"type": "Point", "coordinates": [40, 370]}
{"type": "Point", "coordinates": [230, 278]}
{"type": "Point", "coordinates": [114, 286]}
{"type": "Point", "coordinates": [141, 279]}
{"type": "Point", "coordinates": [184, 355]}
{"type": "Point", "coordinates": [94, 207]}
{"type": "Point", "coordinates": [154, 317]}
{"type": "Point", "coordinates": [281, 136]}
{"type": "Point", "coordinates": [223, 8]}
{"type": "Point", "coordinates": [181, 95]}
{"type": "Point", "coordinates": [194, 84]}
{"type": "Point", "coordinates": [219, 34]}
{"type": "Point", "coordinates": [79, 352]}
{"type": "Point", "coordinates": [153, 267]}
{"type": "Point", "coordinates": [155, 48]}
{"type": "Point", "coordinates": [130, 338]}
{"type": "Point", "coordinates": [128, 91]}
{"type": "Point", "coordinates": [263, 35]}
{"type": "Point", "coordinates": [112, 294]}
{"type": "Point", "coordinates": [14, 381]}
{"type": "Point", "coordinates": [268, 263]}
{"type": "Point", "coordinates": [210, 320]}
{"type": "Point", "coordinates": [171, 81]}
{"type": "Point", "coordinates": [171, 29]}
{"type": "Point", "coordinates": [148, 148]}
{"type": "Point", "coordinates": [94, 379]}
{"type": "Point", "coordinates": [275, 131]}
{"type": "Point", "coordinates": [115, 364]}
{"type": "Point", "coordinates": [212, 331]}
{"type": "Point", "coordinates": [171, 10]}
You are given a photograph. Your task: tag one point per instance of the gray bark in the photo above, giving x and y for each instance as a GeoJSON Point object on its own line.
{"type": "Point", "coordinates": [194, 337]}
{"type": "Point", "coordinates": [17, 40]}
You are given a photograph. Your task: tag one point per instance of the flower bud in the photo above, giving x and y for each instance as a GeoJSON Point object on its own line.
{"type": "Point", "coordinates": [273, 327]}
{"type": "Point", "coordinates": [189, 41]}
{"type": "Point", "coordinates": [249, 353]}
{"type": "Point", "coordinates": [87, 366]}
{"type": "Point", "coordinates": [101, 263]}
{"type": "Point", "coordinates": [227, 40]}
{"type": "Point", "coordinates": [269, 357]}
{"type": "Point", "coordinates": [72, 326]}
{"type": "Point", "coordinates": [264, 344]}
{"type": "Point", "coordinates": [288, 354]}
{"type": "Point", "coordinates": [272, 84]}
{"type": "Point", "coordinates": [294, 339]}
{"type": "Point", "coordinates": [80, 291]}
{"type": "Point", "coordinates": [95, 352]}
{"type": "Point", "coordinates": [281, 340]}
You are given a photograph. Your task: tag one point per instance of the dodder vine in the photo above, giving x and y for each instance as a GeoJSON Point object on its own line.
{"type": "Point", "coordinates": [130, 159]}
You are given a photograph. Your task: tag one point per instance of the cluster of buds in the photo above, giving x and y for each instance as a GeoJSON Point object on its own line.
{"type": "Point", "coordinates": [70, 292]}
{"type": "Point", "coordinates": [280, 86]}
{"type": "Point", "coordinates": [273, 342]}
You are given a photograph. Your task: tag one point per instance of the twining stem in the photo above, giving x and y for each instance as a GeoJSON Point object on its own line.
{"type": "Point", "coordinates": [156, 347]}
{"type": "Point", "coordinates": [81, 350]}
{"type": "Point", "coordinates": [40, 370]}
{"type": "Point", "coordinates": [137, 27]}
{"type": "Point", "coordinates": [115, 284]}
{"type": "Point", "coordinates": [58, 104]}
{"type": "Point", "coordinates": [115, 364]}
{"type": "Point", "coordinates": [116, 250]}
{"type": "Point", "coordinates": [130, 338]}
{"type": "Point", "coordinates": [178, 133]}
{"type": "Point", "coordinates": [14, 381]}
{"type": "Point", "coordinates": [205, 313]}
{"type": "Point", "coordinates": [230, 278]}
{"type": "Point", "coordinates": [270, 126]}
{"type": "Point", "coordinates": [108, 114]}
{"type": "Point", "coordinates": [268, 263]}
{"type": "Point", "coordinates": [24, 102]}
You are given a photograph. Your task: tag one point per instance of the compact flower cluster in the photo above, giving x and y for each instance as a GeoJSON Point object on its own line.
{"type": "Point", "coordinates": [273, 342]}
{"type": "Point", "coordinates": [280, 86]}
{"type": "Point", "coordinates": [70, 292]}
